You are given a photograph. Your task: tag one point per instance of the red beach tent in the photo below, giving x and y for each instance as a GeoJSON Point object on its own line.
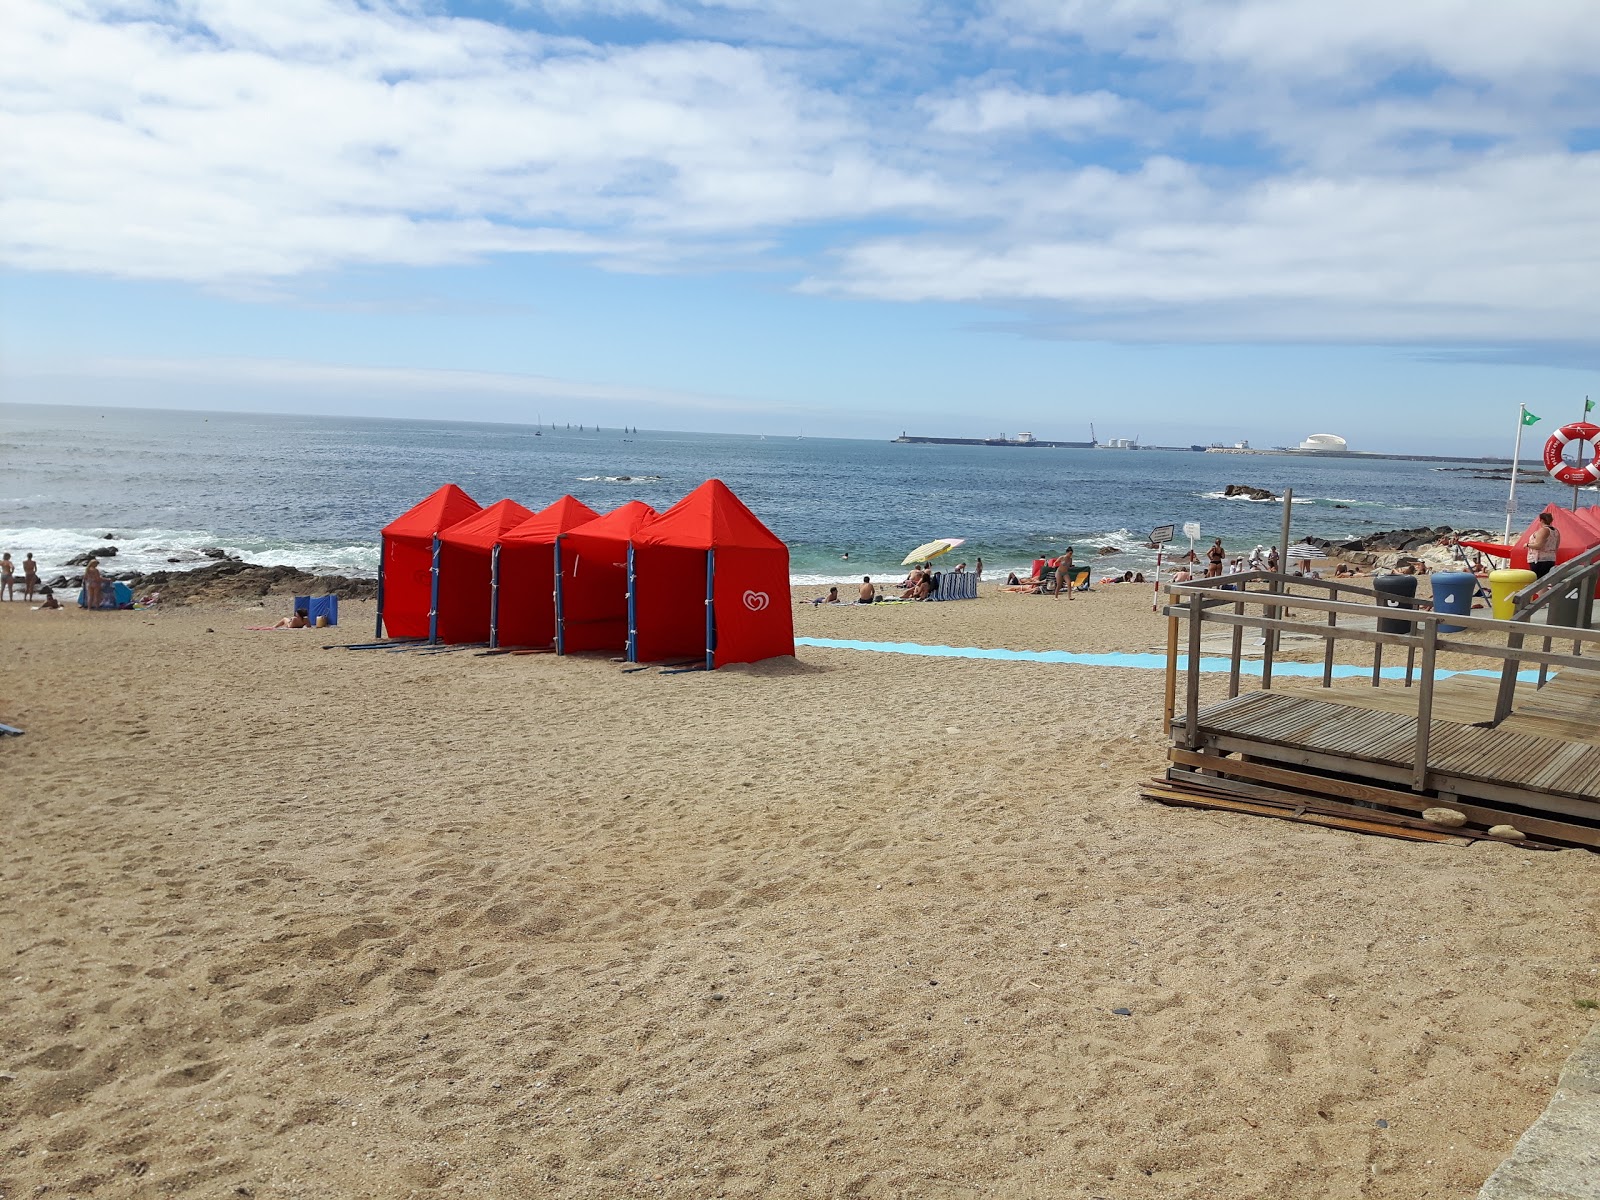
{"type": "Point", "coordinates": [405, 565]}
{"type": "Point", "coordinates": [466, 552]}
{"type": "Point", "coordinates": [592, 580]}
{"type": "Point", "coordinates": [1579, 531]}
{"type": "Point", "coordinates": [709, 579]}
{"type": "Point", "coordinates": [524, 612]}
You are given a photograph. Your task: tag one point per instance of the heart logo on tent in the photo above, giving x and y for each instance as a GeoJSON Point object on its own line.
{"type": "Point", "coordinates": [755, 601]}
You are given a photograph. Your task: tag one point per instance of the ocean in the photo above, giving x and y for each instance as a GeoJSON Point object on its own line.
{"type": "Point", "coordinates": [313, 492]}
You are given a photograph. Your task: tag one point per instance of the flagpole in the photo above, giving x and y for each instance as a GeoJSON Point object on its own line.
{"type": "Point", "coordinates": [1516, 459]}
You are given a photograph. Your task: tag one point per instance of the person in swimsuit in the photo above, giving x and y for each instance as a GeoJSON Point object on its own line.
{"type": "Point", "coordinates": [92, 588]}
{"type": "Point", "coordinates": [868, 593]}
{"type": "Point", "coordinates": [30, 577]}
{"type": "Point", "coordinates": [50, 600]}
{"type": "Point", "coordinates": [8, 578]}
{"type": "Point", "coordinates": [1064, 573]}
{"type": "Point", "coordinates": [300, 620]}
{"type": "Point", "coordinates": [1214, 557]}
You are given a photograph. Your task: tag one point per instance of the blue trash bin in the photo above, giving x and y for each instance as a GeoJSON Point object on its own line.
{"type": "Point", "coordinates": [1401, 593]}
{"type": "Point", "coordinates": [1452, 593]}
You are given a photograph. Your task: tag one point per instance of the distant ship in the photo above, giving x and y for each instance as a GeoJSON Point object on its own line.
{"type": "Point", "coordinates": [1022, 439]}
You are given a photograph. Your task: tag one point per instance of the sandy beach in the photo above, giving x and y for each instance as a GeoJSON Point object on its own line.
{"type": "Point", "coordinates": [282, 921]}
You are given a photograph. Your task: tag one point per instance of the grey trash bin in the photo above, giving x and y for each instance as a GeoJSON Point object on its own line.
{"type": "Point", "coordinates": [1401, 592]}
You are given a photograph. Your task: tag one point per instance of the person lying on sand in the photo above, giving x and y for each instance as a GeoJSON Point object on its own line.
{"type": "Point", "coordinates": [300, 620]}
{"type": "Point", "coordinates": [50, 601]}
{"type": "Point", "coordinates": [831, 598]}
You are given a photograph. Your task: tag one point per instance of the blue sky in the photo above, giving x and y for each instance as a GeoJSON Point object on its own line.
{"type": "Point", "coordinates": [1178, 219]}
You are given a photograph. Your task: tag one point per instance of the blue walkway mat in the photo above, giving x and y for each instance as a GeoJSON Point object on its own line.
{"type": "Point", "coordinates": [1138, 662]}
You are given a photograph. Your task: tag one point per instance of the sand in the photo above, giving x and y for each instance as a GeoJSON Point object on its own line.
{"type": "Point", "coordinates": [286, 922]}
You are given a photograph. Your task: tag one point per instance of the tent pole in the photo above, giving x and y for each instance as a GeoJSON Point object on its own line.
{"type": "Point", "coordinates": [633, 610]}
{"type": "Point", "coordinates": [561, 642]}
{"type": "Point", "coordinates": [433, 600]}
{"type": "Point", "coordinates": [494, 596]}
{"type": "Point", "coordinates": [383, 553]}
{"type": "Point", "coordinates": [711, 611]}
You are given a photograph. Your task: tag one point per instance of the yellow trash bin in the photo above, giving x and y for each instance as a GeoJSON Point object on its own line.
{"type": "Point", "coordinates": [1504, 584]}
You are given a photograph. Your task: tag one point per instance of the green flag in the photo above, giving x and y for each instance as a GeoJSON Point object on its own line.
{"type": "Point", "coordinates": [1588, 406]}
{"type": "Point", "coordinates": [1528, 418]}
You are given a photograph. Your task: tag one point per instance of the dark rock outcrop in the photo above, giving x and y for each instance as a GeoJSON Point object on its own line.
{"type": "Point", "coordinates": [1250, 493]}
{"type": "Point", "coordinates": [103, 552]}
{"type": "Point", "coordinates": [232, 579]}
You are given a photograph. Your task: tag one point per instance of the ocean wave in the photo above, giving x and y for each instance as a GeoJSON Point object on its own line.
{"type": "Point", "coordinates": [144, 550]}
{"type": "Point", "coordinates": [1254, 500]}
{"type": "Point", "coordinates": [619, 479]}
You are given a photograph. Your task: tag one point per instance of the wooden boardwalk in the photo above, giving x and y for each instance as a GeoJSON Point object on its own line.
{"type": "Point", "coordinates": [1347, 753]}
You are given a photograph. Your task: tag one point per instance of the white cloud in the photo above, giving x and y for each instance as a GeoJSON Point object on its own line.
{"type": "Point", "coordinates": [1006, 109]}
{"type": "Point", "coordinates": [1467, 37]}
{"type": "Point", "coordinates": [242, 145]}
{"type": "Point", "coordinates": [1485, 252]}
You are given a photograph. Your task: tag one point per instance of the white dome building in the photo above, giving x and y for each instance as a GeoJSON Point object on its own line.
{"type": "Point", "coordinates": [1327, 442]}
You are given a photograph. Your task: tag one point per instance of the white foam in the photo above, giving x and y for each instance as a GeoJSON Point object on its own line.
{"type": "Point", "coordinates": [143, 550]}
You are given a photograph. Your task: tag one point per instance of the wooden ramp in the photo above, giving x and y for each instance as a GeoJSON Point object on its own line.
{"type": "Point", "coordinates": [1499, 750]}
{"type": "Point", "coordinates": [1356, 756]}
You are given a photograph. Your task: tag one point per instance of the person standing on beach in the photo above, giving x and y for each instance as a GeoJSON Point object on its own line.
{"type": "Point", "coordinates": [30, 577]}
{"type": "Point", "coordinates": [8, 578]}
{"type": "Point", "coordinates": [977, 569]}
{"type": "Point", "coordinates": [1064, 573]}
{"type": "Point", "coordinates": [91, 583]}
{"type": "Point", "coordinates": [1542, 545]}
{"type": "Point", "coordinates": [1214, 556]}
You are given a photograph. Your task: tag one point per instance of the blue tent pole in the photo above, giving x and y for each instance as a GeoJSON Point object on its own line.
{"type": "Point", "coordinates": [561, 643]}
{"type": "Point", "coordinates": [633, 610]}
{"type": "Point", "coordinates": [383, 554]}
{"type": "Point", "coordinates": [494, 596]}
{"type": "Point", "coordinates": [711, 612]}
{"type": "Point", "coordinates": [433, 601]}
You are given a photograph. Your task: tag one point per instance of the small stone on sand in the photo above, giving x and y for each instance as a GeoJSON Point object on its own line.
{"type": "Point", "coordinates": [1445, 816]}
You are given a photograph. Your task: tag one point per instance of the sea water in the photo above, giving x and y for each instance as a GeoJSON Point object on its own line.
{"type": "Point", "coordinates": [313, 492]}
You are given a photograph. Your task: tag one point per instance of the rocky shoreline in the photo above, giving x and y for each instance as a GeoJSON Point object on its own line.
{"type": "Point", "coordinates": [232, 578]}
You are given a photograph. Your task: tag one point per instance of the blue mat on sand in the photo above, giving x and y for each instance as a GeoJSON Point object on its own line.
{"type": "Point", "coordinates": [1139, 662]}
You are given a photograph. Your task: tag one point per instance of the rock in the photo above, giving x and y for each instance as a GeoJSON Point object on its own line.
{"type": "Point", "coordinates": [60, 581]}
{"type": "Point", "coordinates": [1250, 493]}
{"type": "Point", "coordinates": [213, 552]}
{"type": "Point", "coordinates": [1445, 816]}
{"type": "Point", "coordinates": [1105, 550]}
{"type": "Point", "coordinates": [1507, 831]}
{"type": "Point", "coordinates": [1122, 1012]}
{"type": "Point", "coordinates": [229, 578]}
{"type": "Point", "coordinates": [102, 552]}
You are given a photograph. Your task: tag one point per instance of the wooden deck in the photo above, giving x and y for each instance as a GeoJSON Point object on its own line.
{"type": "Point", "coordinates": [1373, 758]}
{"type": "Point", "coordinates": [1567, 708]}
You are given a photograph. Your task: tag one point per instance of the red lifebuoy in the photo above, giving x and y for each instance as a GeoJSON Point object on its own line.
{"type": "Point", "coordinates": [1578, 431]}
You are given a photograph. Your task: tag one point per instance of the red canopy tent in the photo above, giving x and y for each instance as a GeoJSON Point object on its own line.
{"type": "Point", "coordinates": [1579, 531]}
{"type": "Point", "coordinates": [708, 578]}
{"type": "Point", "coordinates": [405, 563]}
{"type": "Point", "coordinates": [524, 612]}
{"type": "Point", "coordinates": [465, 558]}
{"type": "Point", "coordinates": [592, 580]}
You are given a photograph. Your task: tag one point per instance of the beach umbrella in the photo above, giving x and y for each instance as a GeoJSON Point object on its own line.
{"type": "Point", "coordinates": [931, 550]}
{"type": "Point", "coordinates": [1305, 551]}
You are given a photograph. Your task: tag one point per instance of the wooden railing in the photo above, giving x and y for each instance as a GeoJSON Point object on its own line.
{"type": "Point", "coordinates": [1230, 602]}
{"type": "Point", "coordinates": [1574, 579]}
